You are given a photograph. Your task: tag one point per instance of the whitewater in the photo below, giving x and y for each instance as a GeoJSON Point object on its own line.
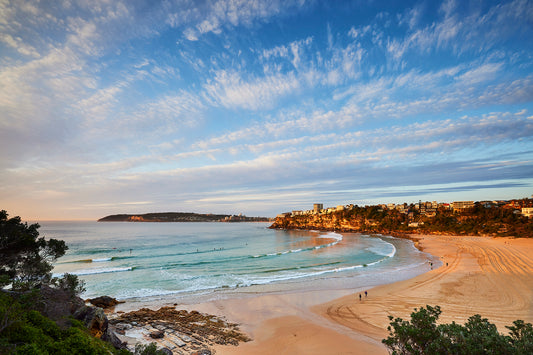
{"type": "Point", "coordinates": [132, 261]}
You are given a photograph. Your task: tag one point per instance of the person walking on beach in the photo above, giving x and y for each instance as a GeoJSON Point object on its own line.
{"type": "Point", "coordinates": [366, 294]}
{"type": "Point", "coordinates": [359, 297]}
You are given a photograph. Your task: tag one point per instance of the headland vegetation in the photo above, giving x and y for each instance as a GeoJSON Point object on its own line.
{"type": "Point", "coordinates": [181, 217]}
{"type": "Point", "coordinates": [487, 218]}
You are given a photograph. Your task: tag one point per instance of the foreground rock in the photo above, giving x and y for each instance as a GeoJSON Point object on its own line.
{"type": "Point", "coordinates": [104, 301]}
{"type": "Point", "coordinates": [94, 319]}
{"type": "Point", "coordinates": [57, 304]}
{"type": "Point", "coordinates": [179, 331]}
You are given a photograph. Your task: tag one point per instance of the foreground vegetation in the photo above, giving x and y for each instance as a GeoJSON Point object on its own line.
{"type": "Point", "coordinates": [478, 220]}
{"type": "Point", "coordinates": [24, 330]}
{"type": "Point", "coordinates": [422, 335]}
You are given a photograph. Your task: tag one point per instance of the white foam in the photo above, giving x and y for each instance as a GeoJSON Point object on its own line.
{"type": "Point", "coordinates": [102, 271]}
{"type": "Point", "coordinates": [100, 260]}
{"type": "Point", "coordinates": [333, 235]}
{"type": "Point", "coordinates": [379, 250]}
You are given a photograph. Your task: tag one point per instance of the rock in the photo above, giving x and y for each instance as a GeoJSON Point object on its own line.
{"type": "Point", "coordinates": [202, 352]}
{"type": "Point", "coordinates": [159, 327]}
{"type": "Point", "coordinates": [104, 301]}
{"type": "Point", "coordinates": [94, 319]}
{"type": "Point", "coordinates": [166, 351]}
{"type": "Point", "coordinates": [178, 341]}
{"type": "Point", "coordinates": [123, 326]}
{"type": "Point", "coordinates": [157, 334]}
{"type": "Point", "coordinates": [112, 338]}
{"type": "Point", "coordinates": [57, 304]}
{"type": "Point", "coordinates": [185, 338]}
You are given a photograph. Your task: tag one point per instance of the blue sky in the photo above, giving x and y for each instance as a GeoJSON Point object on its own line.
{"type": "Point", "coordinates": [261, 107]}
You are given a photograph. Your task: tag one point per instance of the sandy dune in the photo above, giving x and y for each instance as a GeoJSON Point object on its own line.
{"type": "Point", "coordinates": [486, 276]}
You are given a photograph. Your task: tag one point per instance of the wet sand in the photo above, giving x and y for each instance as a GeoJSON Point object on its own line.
{"type": "Point", "coordinates": [487, 276]}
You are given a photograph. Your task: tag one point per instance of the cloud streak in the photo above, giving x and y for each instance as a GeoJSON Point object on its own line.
{"type": "Point", "coordinates": [243, 106]}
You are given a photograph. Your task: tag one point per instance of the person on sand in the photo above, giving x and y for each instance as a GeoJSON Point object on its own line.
{"type": "Point", "coordinates": [366, 294]}
{"type": "Point", "coordinates": [359, 297]}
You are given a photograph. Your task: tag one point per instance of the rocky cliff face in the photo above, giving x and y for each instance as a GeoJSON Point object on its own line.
{"type": "Point", "coordinates": [330, 222]}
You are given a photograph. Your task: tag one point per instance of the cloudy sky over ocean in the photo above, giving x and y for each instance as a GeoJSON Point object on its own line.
{"type": "Point", "coordinates": [261, 107]}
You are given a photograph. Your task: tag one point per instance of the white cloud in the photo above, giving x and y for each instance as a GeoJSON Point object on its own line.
{"type": "Point", "coordinates": [200, 18]}
{"type": "Point", "coordinates": [461, 32]}
{"type": "Point", "coordinates": [228, 89]}
{"type": "Point", "coordinates": [483, 73]}
{"type": "Point", "coordinates": [166, 114]}
{"type": "Point", "coordinates": [19, 45]}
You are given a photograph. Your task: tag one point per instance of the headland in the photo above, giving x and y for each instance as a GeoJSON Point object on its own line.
{"type": "Point", "coordinates": [181, 217]}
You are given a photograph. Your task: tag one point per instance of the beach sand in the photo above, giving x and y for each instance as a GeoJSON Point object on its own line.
{"type": "Point", "coordinates": [487, 276]}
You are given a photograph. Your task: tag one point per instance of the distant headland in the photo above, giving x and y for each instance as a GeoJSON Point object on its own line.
{"type": "Point", "coordinates": [181, 217]}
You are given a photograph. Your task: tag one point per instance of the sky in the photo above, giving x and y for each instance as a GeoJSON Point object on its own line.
{"type": "Point", "coordinates": [261, 107]}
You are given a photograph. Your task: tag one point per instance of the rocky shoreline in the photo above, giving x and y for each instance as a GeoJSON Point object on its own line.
{"type": "Point", "coordinates": [174, 331]}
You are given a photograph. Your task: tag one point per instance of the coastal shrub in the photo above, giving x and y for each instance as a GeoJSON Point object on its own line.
{"type": "Point", "coordinates": [26, 331]}
{"type": "Point", "coordinates": [422, 335]}
{"type": "Point", "coordinates": [69, 283]}
{"type": "Point", "coordinates": [521, 336]}
{"type": "Point", "coordinates": [147, 349]}
{"type": "Point", "coordinates": [25, 259]}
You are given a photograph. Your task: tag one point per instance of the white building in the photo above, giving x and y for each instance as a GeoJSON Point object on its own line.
{"type": "Point", "coordinates": [527, 211]}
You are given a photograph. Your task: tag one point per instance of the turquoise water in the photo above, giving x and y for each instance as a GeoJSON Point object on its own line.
{"type": "Point", "coordinates": [143, 260]}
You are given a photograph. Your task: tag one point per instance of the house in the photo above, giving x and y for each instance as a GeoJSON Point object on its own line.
{"type": "Point", "coordinates": [527, 212]}
{"type": "Point", "coordinates": [461, 205]}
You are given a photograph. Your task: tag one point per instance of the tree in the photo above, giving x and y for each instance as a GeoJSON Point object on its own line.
{"type": "Point", "coordinates": [422, 335]}
{"type": "Point", "coordinates": [25, 259]}
{"type": "Point", "coordinates": [416, 336]}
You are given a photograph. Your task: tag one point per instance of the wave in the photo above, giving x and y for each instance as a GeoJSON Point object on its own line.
{"type": "Point", "coordinates": [101, 260]}
{"type": "Point", "coordinates": [331, 235]}
{"type": "Point", "coordinates": [227, 260]}
{"type": "Point", "coordinates": [98, 271]}
{"type": "Point", "coordinates": [96, 260]}
{"type": "Point", "coordinates": [379, 250]}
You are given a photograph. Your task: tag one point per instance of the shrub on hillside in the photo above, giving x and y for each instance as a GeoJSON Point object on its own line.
{"type": "Point", "coordinates": [422, 335]}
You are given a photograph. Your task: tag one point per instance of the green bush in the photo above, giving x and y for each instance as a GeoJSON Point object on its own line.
{"type": "Point", "coordinates": [422, 335]}
{"type": "Point", "coordinates": [150, 349]}
{"type": "Point", "coordinates": [29, 332]}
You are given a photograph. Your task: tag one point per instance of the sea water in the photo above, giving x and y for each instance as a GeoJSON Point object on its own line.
{"type": "Point", "coordinates": [136, 261]}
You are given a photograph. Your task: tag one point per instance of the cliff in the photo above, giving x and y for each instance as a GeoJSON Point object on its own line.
{"type": "Point", "coordinates": [374, 219]}
{"type": "Point", "coordinates": [338, 222]}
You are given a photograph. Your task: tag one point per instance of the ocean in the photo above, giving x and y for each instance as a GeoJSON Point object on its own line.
{"type": "Point", "coordinates": [192, 262]}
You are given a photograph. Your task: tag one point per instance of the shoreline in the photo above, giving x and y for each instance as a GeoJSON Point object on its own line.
{"type": "Point", "coordinates": [487, 276]}
{"type": "Point", "coordinates": [411, 262]}
{"type": "Point", "coordinates": [484, 275]}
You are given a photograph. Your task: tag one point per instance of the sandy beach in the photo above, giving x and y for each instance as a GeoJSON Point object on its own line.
{"type": "Point", "coordinates": [480, 275]}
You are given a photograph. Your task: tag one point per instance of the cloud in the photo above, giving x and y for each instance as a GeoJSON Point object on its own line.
{"type": "Point", "coordinates": [187, 102]}
{"type": "Point", "coordinates": [228, 89]}
{"type": "Point", "coordinates": [200, 18]}
{"type": "Point", "coordinates": [169, 113]}
{"type": "Point", "coordinates": [19, 45]}
{"type": "Point", "coordinates": [463, 32]}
